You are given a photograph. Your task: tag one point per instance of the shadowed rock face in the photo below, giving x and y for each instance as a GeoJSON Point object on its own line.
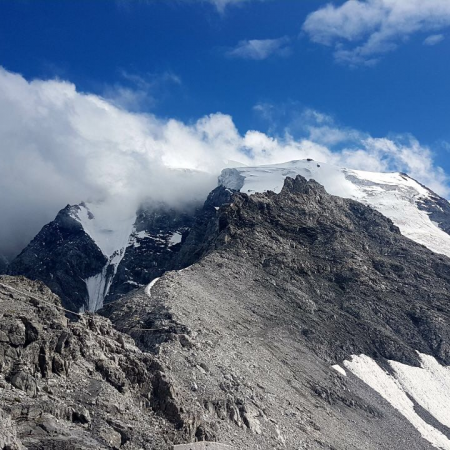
{"type": "Point", "coordinates": [3, 265]}
{"type": "Point", "coordinates": [148, 257]}
{"type": "Point", "coordinates": [287, 285]}
{"type": "Point", "coordinates": [62, 256]}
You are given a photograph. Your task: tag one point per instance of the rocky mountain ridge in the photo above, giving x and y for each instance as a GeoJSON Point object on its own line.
{"type": "Point", "coordinates": [91, 254]}
{"type": "Point", "coordinates": [85, 266]}
{"type": "Point", "coordinates": [298, 326]}
{"type": "Point", "coordinates": [420, 213]}
{"type": "Point", "coordinates": [297, 300]}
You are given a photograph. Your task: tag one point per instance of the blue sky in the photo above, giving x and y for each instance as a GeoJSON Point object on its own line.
{"type": "Point", "coordinates": [128, 86]}
{"type": "Point", "coordinates": [97, 44]}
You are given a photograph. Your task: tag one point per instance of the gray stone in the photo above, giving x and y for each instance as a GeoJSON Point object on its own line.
{"type": "Point", "coordinates": [202, 446]}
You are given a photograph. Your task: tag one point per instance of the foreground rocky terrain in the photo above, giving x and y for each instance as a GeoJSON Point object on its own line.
{"type": "Point", "coordinates": [77, 384]}
{"type": "Point", "coordinates": [256, 344]}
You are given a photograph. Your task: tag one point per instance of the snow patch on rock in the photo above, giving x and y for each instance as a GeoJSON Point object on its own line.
{"type": "Point", "coordinates": [111, 233]}
{"type": "Point", "coordinates": [339, 369]}
{"type": "Point", "coordinates": [148, 289]}
{"type": "Point", "coordinates": [428, 385]}
{"type": "Point", "coordinates": [175, 239]}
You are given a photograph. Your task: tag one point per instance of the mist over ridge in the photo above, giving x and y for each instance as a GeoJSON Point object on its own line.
{"type": "Point", "coordinates": [60, 146]}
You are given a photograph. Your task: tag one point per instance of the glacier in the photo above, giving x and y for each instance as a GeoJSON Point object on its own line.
{"type": "Point", "coordinates": [395, 195]}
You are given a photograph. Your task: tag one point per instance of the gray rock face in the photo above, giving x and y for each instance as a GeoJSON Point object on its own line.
{"type": "Point", "coordinates": [78, 385]}
{"type": "Point", "coordinates": [3, 265]}
{"type": "Point", "coordinates": [286, 286]}
{"type": "Point", "coordinates": [8, 433]}
{"type": "Point", "coordinates": [201, 237]}
{"type": "Point", "coordinates": [62, 256]}
{"type": "Point", "coordinates": [153, 246]}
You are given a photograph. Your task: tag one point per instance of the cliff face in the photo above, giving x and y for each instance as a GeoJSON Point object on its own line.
{"type": "Point", "coordinates": [287, 286]}
{"type": "Point", "coordinates": [62, 256]}
{"type": "Point", "coordinates": [88, 260]}
{"type": "Point", "coordinates": [152, 247]}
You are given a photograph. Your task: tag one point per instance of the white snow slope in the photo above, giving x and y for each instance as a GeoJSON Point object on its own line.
{"type": "Point", "coordinates": [111, 234]}
{"type": "Point", "coordinates": [113, 230]}
{"type": "Point", "coordinates": [428, 386]}
{"type": "Point", "coordinates": [394, 195]}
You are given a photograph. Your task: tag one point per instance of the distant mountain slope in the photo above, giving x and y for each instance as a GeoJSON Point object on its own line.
{"type": "Point", "coordinates": [95, 253]}
{"type": "Point", "coordinates": [309, 321]}
{"type": "Point", "coordinates": [420, 214]}
{"type": "Point", "coordinates": [90, 253]}
{"type": "Point", "coordinates": [63, 256]}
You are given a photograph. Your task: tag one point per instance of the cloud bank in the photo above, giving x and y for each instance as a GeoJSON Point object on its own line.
{"type": "Point", "coordinates": [362, 30]}
{"type": "Point", "coordinates": [60, 146]}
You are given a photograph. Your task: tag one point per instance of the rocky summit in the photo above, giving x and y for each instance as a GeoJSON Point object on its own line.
{"type": "Point", "coordinates": [289, 320]}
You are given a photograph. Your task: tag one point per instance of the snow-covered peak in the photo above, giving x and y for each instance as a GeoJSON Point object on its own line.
{"type": "Point", "coordinates": [271, 177]}
{"type": "Point", "coordinates": [395, 195]}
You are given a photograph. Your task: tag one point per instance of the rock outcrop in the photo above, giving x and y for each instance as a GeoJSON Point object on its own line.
{"type": "Point", "coordinates": [78, 384]}
{"type": "Point", "coordinates": [62, 256]}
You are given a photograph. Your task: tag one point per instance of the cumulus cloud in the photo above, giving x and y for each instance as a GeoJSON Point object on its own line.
{"type": "Point", "coordinates": [358, 150]}
{"type": "Point", "coordinates": [259, 49]}
{"type": "Point", "coordinates": [362, 30]}
{"type": "Point", "coordinates": [61, 146]}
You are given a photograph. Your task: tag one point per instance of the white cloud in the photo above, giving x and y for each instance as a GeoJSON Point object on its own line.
{"type": "Point", "coordinates": [61, 146]}
{"type": "Point", "coordinates": [259, 49]}
{"type": "Point", "coordinates": [359, 150]}
{"type": "Point", "coordinates": [362, 30]}
{"type": "Point", "coordinates": [433, 39]}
